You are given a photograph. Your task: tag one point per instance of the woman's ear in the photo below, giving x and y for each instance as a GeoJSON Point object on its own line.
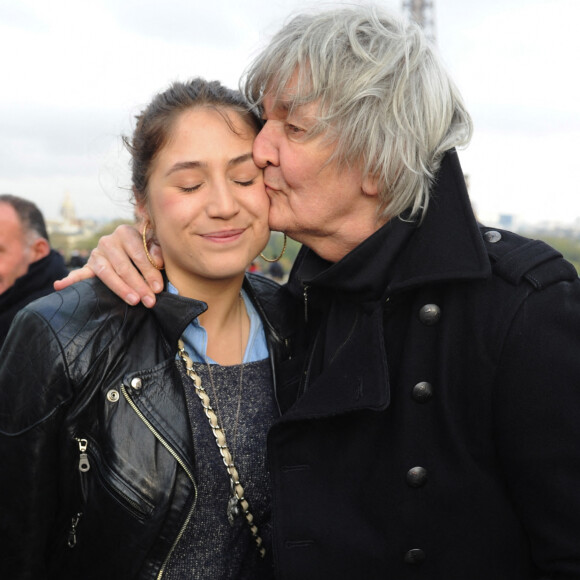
{"type": "Point", "coordinates": [142, 214]}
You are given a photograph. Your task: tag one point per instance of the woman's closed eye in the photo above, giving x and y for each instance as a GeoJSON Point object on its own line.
{"type": "Point", "coordinates": [190, 189]}
{"type": "Point", "coordinates": [245, 183]}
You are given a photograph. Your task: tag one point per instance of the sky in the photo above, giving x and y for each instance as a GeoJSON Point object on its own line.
{"type": "Point", "coordinates": [74, 74]}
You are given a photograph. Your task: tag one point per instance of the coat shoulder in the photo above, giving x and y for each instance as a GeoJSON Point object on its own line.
{"type": "Point", "coordinates": [518, 260]}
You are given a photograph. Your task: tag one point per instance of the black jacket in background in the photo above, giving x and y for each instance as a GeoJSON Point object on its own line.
{"type": "Point", "coordinates": [35, 283]}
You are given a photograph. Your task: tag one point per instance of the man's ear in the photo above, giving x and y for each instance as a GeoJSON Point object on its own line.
{"type": "Point", "coordinates": [370, 186]}
{"type": "Point", "coordinates": [39, 249]}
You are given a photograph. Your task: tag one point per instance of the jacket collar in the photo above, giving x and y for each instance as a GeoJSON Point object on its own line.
{"type": "Point", "coordinates": [446, 245]}
{"type": "Point", "coordinates": [173, 313]}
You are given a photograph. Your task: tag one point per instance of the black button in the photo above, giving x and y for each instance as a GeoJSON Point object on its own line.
{"type": "Point", "coordinates": [430, 314]}
{"type": "Point", "coordinates": [417, 476]}
{"type": "Point", "coordinates": [422, 392]}
{"type": "Point", "coordinates": [415, 556]}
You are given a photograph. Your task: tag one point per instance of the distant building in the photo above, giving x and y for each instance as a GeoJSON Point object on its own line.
{"type": "Point", "coordinates": [70, 229]}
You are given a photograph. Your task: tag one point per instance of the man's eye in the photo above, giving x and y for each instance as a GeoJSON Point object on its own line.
{"type": "Point", "coordinates": [293, 128]}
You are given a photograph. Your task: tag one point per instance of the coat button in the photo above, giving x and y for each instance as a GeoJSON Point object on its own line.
{"type": "Point", "coordinates": [492, 237]}
{"type": "Point", "coordinates": [415, 556]}
{"type": "Point", "coordinates": [136, 383]}
{"type": "Point", "coordinates": [430, 314]}
{"type": "Point", "coordinates": [422, 392]}
{"type": "Point", "coordinates": [417, 476]}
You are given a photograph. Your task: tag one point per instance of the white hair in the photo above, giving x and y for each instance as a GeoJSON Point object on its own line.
{"type": "Point", "coordinates": [383, 96]}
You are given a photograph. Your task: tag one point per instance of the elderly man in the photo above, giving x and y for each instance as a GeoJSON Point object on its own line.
{"type": "Point", "coordinates": [28, 267]}
{"type": "Point", "coordinates": [431, 412]}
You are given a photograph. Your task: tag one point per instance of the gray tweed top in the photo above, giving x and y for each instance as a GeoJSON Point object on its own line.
{"type": "Point", "coordinates": [210, 548]}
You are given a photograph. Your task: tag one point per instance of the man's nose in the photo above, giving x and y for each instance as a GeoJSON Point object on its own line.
{"type": "Point", "coordinates": [266, 146]}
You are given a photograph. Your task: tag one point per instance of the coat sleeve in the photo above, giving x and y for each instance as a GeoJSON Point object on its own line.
{"type": "Point", "coordinates": [33, 394]}
{"type": "Point", "coordinates": [537, 425]}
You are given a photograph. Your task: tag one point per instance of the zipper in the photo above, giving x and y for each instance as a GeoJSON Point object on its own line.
{"type": "Point", "coordinates": [83, 466]}
{"type": "Point", "coordinates": [305, 293]}
{"type": "Point", "coordinates": [72, 534]}
{"type": "Point", "coordinates": [181, 463]}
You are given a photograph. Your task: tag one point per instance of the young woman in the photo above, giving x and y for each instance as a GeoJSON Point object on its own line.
{"type": "Point", "coordinates": [133, 440]}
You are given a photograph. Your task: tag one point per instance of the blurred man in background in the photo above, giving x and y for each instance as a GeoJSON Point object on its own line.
{"type": "Point", "coordinates": [28, 266]}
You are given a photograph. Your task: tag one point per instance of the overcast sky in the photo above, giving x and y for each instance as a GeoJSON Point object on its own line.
{"type": "Point", "coordinates": [75, 72]}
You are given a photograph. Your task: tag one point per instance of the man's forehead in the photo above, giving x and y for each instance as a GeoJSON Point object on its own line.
{"type": "Point", "coordinates": [282, 105]}
{"type": "Point", "coordinates": [8, 213]}
{"type": "Point", "coordinates": [289, 95]}
{"type": "Point", "coordinates": [275, 105]}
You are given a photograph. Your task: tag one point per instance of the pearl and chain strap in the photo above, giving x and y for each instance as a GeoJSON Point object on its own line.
{"type": "Point", "coordinates": [237, 500]}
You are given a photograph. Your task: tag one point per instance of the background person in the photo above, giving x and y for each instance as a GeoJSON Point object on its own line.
{"type": "Point", "coordinates": [28, 266]}
{"type": "Point", "coordinates": [119, 461]}
{"type": "Point", "coordinates": [434, 431]}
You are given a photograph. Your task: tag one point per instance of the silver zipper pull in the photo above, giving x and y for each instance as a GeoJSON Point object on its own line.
{"type": "Point", "coordinates": [84, 464]}
{"type": "Point", "coordinates": [305, 290]}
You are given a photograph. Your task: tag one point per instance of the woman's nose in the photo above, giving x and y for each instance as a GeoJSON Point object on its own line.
{"type": "Point", "coordinates": [223, 203]}
{"type": "Point", "coordinates": [266, 145]}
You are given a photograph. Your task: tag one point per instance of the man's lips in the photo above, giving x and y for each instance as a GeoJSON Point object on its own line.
{"type": "Point", "coordinates": [224, 236]}
{"type": "Point", "coordinates": [271, 188]}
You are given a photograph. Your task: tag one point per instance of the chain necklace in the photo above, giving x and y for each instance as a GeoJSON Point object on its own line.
{"type": "Point", "coordinates": [237, 503]}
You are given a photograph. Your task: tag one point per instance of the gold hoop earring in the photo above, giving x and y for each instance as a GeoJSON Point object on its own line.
{"type": "Point", "coordinates": [281, 253]}
{"type": "Point", "coordinates": [151, 261]}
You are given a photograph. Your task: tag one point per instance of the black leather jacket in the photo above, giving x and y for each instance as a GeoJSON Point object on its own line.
{"type": "Point", "coordinates": [87, 382]}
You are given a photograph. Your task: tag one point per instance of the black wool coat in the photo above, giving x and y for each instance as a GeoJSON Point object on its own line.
{"type": "Point", "coordinates": [434, 431]}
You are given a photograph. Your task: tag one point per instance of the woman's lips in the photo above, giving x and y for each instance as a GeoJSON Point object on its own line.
{"type": "Point", "coordinates": [223, 236]}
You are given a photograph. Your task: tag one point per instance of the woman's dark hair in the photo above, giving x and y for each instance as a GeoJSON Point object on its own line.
{"type": "Point", "coordinates": [155, 122]}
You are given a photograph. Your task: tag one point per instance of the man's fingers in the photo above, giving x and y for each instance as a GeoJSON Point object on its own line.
{"type": "Point", "coordinates": [75, 276]}
{"type": "Point", "coordinates": [118, 278]}
{"type": "Point", "coordinates": [132, 243]}
{"type": "Point", "coordinates": [121, 263]}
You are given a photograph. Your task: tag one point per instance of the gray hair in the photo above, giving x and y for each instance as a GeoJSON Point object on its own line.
{"type": "Point", "coordinates": [31, 218]}
{"type": "Point", "coordinates": [381, 90]}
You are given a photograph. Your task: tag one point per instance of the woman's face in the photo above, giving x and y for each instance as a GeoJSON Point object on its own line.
{"type": "Point", "coordinates": [207, 202]}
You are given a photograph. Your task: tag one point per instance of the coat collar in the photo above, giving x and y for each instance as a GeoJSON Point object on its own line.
{"type": "Point", "coordinates": [349, 368]}
{"type": "Point", "coordinates": [37, 281]}
{"type": "Point", "coordinates": [445, 246]}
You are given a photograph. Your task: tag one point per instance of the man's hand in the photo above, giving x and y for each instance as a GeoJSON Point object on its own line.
{"type": "Point", "coordinates": [120, 262]}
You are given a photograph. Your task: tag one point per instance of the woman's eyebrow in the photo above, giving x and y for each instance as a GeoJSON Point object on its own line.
{"type": "Point", "coordinates": [181, 165]}
{"type": "Point", "coordinates": [241, 159]}
{"type": "Point", "coordinates": [185, 165]}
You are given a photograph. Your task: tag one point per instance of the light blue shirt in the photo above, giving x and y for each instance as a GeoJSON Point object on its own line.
{"type": "Point", "coordinates": [195, 335]}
